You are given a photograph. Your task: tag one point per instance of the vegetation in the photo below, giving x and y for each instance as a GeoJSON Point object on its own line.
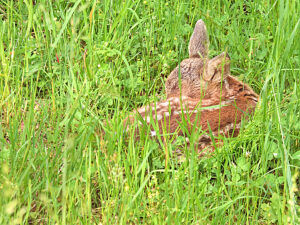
{"type": "Point", "coordinates": [68, 67]}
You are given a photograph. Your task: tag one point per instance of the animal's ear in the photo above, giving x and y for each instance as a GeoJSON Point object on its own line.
{"type": "Point", "coordinates": [198, 46]}
{"type": "Point", "coordinates": [218, 68]}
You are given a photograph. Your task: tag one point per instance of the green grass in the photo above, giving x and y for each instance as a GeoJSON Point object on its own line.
{"type": "Point", "coordinates": [67, 68]}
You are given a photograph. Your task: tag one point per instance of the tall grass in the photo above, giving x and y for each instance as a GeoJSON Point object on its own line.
{"type": "Point", "coordinates": [67, 67]}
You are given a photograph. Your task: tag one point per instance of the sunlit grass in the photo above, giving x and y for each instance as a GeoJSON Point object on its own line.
{"type": "Point", "coordinates": [69, 67]}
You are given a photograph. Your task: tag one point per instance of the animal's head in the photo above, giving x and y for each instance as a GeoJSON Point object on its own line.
{"type": "Point", "coordinates": [199, 74]}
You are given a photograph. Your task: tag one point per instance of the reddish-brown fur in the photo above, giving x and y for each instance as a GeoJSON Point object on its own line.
{"type": "Point", "coordinates": [222, 114]}
{"type": "Point", "coordinates": [207, 98]}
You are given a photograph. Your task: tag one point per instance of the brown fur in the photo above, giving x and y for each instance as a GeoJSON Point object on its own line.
{"type": "Point", "coordinates": [207, 98]}
{"type": "Point", "coordinates": [198, 46]}
{"type": "Point", "coordinates": [221, 112]}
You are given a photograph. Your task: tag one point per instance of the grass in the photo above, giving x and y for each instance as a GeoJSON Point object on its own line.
{"type": "Point", "coordinates": [69, 66]}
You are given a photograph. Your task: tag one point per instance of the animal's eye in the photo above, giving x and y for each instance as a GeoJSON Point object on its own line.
{"type": "Point", "coordinates": [212, 77]}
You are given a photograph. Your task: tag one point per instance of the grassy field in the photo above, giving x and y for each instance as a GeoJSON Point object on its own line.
{"type": "Point", "coordinates": [67, 67]}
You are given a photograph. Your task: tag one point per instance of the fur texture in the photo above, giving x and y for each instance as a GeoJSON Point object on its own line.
{"type": "Point", "coordinates": [206, 97]}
